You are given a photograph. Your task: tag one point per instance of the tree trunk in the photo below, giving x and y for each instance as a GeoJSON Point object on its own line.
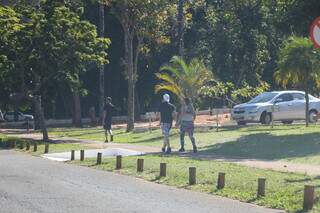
{"type": "Point", "coordinates": [101, 73]}
{"type": "Point", "coordinates": [135, 71]}
{"type": "Point", "coordinates": [77, 108]}
{"type": "Point", "coordinates": [137, 108]}
{"type": "Point", "coordinates": [128, 40]}
{"type": "Point", "coordinates": [39, 114]}
{"type": "Point", "coordinates": [180, 20]}
{"type": "Point", "coordinates": [307, 107]}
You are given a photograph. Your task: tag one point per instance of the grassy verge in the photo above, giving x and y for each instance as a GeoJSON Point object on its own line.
{"type": "Point", "coordinates": [283, 190]}
{"type": "Point", "coordinates": [53, 148]}
{"type": "Point", "coordinates": [294, 143]}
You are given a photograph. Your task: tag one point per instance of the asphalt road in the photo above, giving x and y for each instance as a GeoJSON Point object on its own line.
{"type": "Point", "coordinates": [32, 184]}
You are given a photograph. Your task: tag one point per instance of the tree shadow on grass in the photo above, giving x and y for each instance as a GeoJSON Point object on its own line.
{"type": "Point", "coordinates": [268, 147]}
{"type": "Point", "coordinates": [152, 139]}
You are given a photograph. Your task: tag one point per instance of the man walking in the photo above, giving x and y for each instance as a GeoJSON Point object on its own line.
{"type": "Point", "coordinates": [107, 118]}
{"type": "Point", "coordinates": [167, 113]}
{"type": "Point", "coordinates": [186, 117]}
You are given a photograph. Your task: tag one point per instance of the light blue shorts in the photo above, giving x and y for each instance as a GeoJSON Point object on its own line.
{"type": "Point", "coordinates": [166, 127]}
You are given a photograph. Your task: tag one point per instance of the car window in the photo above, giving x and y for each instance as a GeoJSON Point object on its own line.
{"type": "Point", "coordinates": [286, 97]}
{"type": "Point", "coordinates": [298, 96]}
{"type": "Point", "coordinates": [262, 98]}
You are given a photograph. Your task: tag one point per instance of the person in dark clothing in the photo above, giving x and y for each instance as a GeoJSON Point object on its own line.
{"type": "Point", "coordinates": [167, 113]}
{"type": "Point", "coordinates": [109, 109]}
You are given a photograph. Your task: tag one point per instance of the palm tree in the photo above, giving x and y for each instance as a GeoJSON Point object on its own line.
{"type": "Point", "coordinates": [182, 79]}
{"type": "Point", "coordinates": [299, 65]}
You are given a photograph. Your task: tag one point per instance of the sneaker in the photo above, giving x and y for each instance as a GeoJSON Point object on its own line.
{"type": "Point", "coordinates": [195, 150]}
{"type": "Point", "coordinates": [168, 150]}
{"type": "Point", "coordinates": [111, 138]}
{"type": "Point", "coordinates": [181, 149]}
{"type": "Point", "coordinates": [163, 149]}
{"type": "Point", "coordinates": [106, 141]}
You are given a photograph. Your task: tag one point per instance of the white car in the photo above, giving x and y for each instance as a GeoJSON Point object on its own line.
{"type": "Point", "coordinates": [9, 116]}
{"type": "Point", "coordinates": [284, 106]}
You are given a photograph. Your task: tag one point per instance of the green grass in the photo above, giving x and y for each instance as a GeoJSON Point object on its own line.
{"type": "Point", "coordinates": [283, 190]}
{"type": "Point", "coordinates": [294, 143]}
{"type": "Point", "coordinates": [53, 147]}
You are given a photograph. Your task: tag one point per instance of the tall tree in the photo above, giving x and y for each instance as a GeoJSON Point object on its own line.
{"type": "Point", "coordinates": [135, 17]}
{"type": "Point", "coordinates": [54, 45]}
{"type": "Point", "coordinates": [101, 72]}
{"type": "Point", "coordinates": [299, 65]}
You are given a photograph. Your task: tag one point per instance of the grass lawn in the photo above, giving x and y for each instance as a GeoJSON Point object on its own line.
{"type": "Point", "coordinates": [53, 148]}
{"type": "Point", "coordinates": [294, 143]}
{"type": "Point", "coordinates": [283, 190]}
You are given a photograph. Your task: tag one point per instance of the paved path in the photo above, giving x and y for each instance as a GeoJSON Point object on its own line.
{"type": "Point", "coordinates": [32, 184]}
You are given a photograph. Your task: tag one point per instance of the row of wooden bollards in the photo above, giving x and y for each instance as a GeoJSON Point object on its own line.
{"type": "Point", "coordinates": [35, 146]}
{"type": "Point", "coordinates": [309, 195]}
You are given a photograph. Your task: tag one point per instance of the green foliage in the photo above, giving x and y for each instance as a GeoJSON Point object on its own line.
{"type": "Point", "coordinates": [299, 64]}
{"type": "Point", "coordinates": [182, 79]}
{"type": "Point", "coordinates": [233, 40]}
{"type": "Point", "coordinates": [49, 45]}
{"type": "Point", "coordinates": [230, 93]}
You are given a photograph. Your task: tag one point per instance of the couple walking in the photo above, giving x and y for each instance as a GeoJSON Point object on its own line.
{"type": "Point", "coordinates": [185, 119]}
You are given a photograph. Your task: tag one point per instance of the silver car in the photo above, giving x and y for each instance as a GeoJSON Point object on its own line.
{"type": "Point", "coordinates": [9, 116]}
{"type": "Point", "coordinates": [285, 106]}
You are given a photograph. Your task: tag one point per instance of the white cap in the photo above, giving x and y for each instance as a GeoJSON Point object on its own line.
{"type": "Point", "coordinates": [166, 98]}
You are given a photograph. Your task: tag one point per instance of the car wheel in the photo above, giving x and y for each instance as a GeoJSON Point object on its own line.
{"type": "Point", "coordinates": [287, 122]}
{"type": "Point", "coordinates": [313, 116]}
{"type": "Point", "coordinates": [241, 123]}
{"type": "Point", "coordinates": [266, 118]}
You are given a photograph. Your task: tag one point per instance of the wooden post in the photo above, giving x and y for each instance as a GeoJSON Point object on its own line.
{"type": "Point", "coordinates": [35, 147]}
{"type": "Point", "coordinates": [221, 180]}
{"type": "Point", "coordinates": [21, 145]}
{"type": "Point", "coordinates": [13, 144]}
{"type": "Point", "coordinates": [217, 117]}
{"type": "Point", "coordinates": [192, 176]}
{"type": "Point", "coordinates": [81, 155]}
{"type": "Point", "coordinates": [99, 158]}
{"type": "Point", "coordinates": [261, 187]}
{"type": "Point", "coordinates": [119, 162]}
{"type": "Point", "coordinates": [28, 146]}
{"type": "Point", "coordinates": [163, 169]}
{"type": "Point", "coordinates": [140, 163]}
{"type": "Point", "coordinates": [46, 148]}
{"type": "Point", "coordinates": [72, 154]}
{"type": "Point", "coordinates": [308, 198]}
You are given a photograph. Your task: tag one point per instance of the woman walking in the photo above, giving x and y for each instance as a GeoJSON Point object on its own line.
{"type": "Point", "coordinates": [187, 116]}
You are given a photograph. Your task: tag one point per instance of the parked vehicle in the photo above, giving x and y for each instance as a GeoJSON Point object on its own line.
{"type": "Point", "coordinates": [284, 106]}
{"type": "Point", "coordinates": [10, 116]}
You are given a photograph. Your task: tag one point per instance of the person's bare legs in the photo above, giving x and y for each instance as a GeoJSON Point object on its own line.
{"type": "Point", "coordinates": [108, 132]}
{"type": "Point", "coordinates": [106, 135]}
{"type": "Point", "coordinates": [111, 135]}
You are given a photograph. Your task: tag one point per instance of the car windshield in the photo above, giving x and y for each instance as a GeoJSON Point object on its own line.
{"type": "Point", "coordinates": [262, 98]}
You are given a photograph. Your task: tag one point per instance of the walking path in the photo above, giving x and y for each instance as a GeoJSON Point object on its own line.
{"type": "Point", "coordinates": [276, 165]}
{"type": "Point", "coordinates": [31, 185]}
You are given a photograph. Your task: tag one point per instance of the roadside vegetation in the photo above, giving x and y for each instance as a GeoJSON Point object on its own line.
{"type": "Point", "coordinates": [294, 143]}
{"type": "Point", "coordinates": [283, 190]}
{"type": "Point", "coordinates": [20, 145]}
